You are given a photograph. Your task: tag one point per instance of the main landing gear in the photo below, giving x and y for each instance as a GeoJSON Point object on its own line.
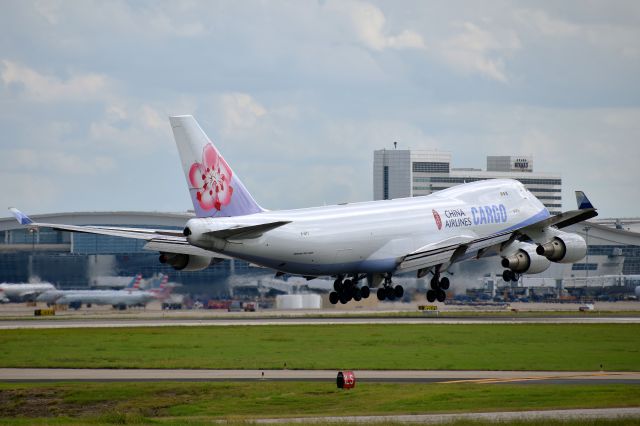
{"type": "Point", "coordinates": [438, 286]}
{"type": "Point", "coordinates": [388, 291]}
{"type": "Point", "coordinates": [346, 290]}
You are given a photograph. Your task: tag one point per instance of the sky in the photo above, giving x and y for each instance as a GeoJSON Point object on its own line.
{"type": "Point", "coordinates": [298, 94]}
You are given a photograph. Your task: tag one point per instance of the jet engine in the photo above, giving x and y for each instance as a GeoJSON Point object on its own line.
{"type": "Point", "coordinates": [563, 248]}
{"type": "Point", "coordinates": [522, 257]}
{"type": "Point", "coordinates": [185, 262]}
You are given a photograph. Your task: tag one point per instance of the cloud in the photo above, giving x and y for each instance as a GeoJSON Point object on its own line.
{"type": "Point", "coordinates": [240, 111]}
{"type": "Point", "coordinates": [299, 94]}
{"type": "Point", "coordinates": [43, 162]}
{"type": "Point", "coordinates": [475, 50]}
{"type": "Point", "coordinates": [369, 24]}
{"type": "Point", "coordinates": [47, 88]}
{"type": "Point", "coordinates": [546, 24]}
{"type": "Point", "coordinates": [129, 125]}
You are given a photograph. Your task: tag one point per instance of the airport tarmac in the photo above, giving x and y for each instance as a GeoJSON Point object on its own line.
{"type": "Point", "coordinates": [389, 376]}
{"type": "Point", "coordinates": [51, 323]}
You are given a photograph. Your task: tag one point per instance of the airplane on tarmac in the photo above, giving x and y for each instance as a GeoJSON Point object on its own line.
{"type": "Point", "coordinates": [51, 296]}
{"type": "Point", "coordinates": [360, 245]}
{"type": "Point", "coordinates": [24, 291]}
{"type": "Point", "coordinates": [120, 299]}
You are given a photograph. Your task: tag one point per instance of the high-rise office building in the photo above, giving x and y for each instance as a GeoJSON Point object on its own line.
{"type": "Point", "coordinates": [399, 173]}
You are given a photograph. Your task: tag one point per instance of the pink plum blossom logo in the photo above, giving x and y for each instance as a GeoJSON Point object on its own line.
{"type": "Point", "coordinates": [437, 218]}
{"type": "Point", "coordinates": [212, 179]}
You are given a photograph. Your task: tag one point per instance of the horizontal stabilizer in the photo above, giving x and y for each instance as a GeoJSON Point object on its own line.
{"type": "Point", "coordinates": [246, 232]}
{"type": "Point", "coordinates": [181, 247]}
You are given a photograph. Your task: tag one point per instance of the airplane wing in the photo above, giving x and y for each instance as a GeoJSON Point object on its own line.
{"type": "Point", "coordinates": [157, 239]}
{"type": "Point", "coordinates": [168, 241]}
{"type": "Point", "coordinates": [137, 233]}
{"type": "Point", "coordinates": [447, 252]}
{"type": "Point", "coordinates": [438, 254]}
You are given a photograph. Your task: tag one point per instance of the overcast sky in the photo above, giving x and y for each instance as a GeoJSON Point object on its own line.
{"type": "Point", "coordinates": [297, 95]}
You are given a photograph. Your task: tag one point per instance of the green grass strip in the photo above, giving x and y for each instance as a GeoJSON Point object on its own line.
{"type": "Point", "coordinates": [201, 402]}
{"type": "Point", "coordinates": [459, 347]}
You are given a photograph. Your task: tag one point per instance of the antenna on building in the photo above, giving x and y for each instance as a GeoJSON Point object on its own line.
{"type": "Point", "coordinates": [395, 145]}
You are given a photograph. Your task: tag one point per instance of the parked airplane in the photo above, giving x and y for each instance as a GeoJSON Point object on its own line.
{"type": "Point", "coordinates": [361, 244]}
{"type": "Point", "coordinates": [22, 292]}
{"type": "Point", "coordinates": [120, 299]}
{"type": "Point", "coordinates": [51, 296]}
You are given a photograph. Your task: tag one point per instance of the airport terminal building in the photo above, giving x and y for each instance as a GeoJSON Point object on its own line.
{"type": "Point", "coordinates": [75, 260]}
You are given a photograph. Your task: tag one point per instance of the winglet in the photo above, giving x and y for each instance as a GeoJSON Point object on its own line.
{"type": "Point", "coordinates": [22, 218]}
{"type": "Point", "coordinates": [583, 201]}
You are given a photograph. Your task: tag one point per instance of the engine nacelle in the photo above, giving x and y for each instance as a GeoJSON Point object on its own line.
{"type": "Point", "coordinates": [185, 262]}
{"type": "Point", "coordinates": [523, 258]}
{"type": "Point", "coordinates": [563, 248]}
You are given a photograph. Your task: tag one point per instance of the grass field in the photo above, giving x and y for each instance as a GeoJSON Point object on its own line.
{"type": "Point", "coordinates": [458, 347]}
{"type": "Point", "coordinates": [195, 403]}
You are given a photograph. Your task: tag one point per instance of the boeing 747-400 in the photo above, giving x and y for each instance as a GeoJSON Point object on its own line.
{"type": "Point", "coordinates": [360, 245]}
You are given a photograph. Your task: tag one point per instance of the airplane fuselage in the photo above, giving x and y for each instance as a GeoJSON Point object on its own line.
{"type": "Point", "coordinates": [19, 292]}
{"type": "Point", "coordinates": [373, 236]}
{"type": "Point", "coordinates": [106, 297]}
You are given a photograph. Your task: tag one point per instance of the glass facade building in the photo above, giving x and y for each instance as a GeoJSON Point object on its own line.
{"type": "Point", "coordinates": [408, 173]}
{"type": "Point", "coordinates": [74, 260]}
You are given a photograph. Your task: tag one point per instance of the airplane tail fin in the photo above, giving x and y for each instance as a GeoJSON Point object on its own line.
{"type": "Point", "coordinates": [134, 284]}
{"type": "Point", "coordinates": [161, 288]}
{"type": "Point", "coordinates": [216, 191]}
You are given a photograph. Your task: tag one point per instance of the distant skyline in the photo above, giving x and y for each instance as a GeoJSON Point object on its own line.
{"type": "Point", "coordinates": [298, 95]}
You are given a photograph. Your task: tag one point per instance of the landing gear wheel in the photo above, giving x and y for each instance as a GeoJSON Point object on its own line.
{"type": "Point", "coordinates": [337, 285]}
{"type": "Point", "coordinates": [444, 283]}
{"type": "Point", "coordinates": [380, 294]}
{"type": "Point", "coordinates": [434, 283]}
{"type": "Point", "coordinates": [398, 291]}
{"type": "Point", "coordinates": [431, 296]}
{"type": "Point", "coordinates": [344, 299]}
{"type": "Point", "coordinates": [365, 292]}
{"type": "Point", "coordinates": [515, 278]}
{"type": "Point", "coordinates": [507, 275]}
{"type": "Point", "coordinates": [334, 297]}
{"type": "Point", "coordinates": [441, 295]}
{"type": "Point", "coordinates": [389, 293]}
{"type": "Point", "coordinates": [357, 295]}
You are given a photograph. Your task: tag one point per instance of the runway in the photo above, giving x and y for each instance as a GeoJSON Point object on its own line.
{"type": "Point", "coordinates": [503, 416]}
{"type": "Point", "coordinates": [388, 376]}
{"type": "Point", "coordinates": [244, 321]}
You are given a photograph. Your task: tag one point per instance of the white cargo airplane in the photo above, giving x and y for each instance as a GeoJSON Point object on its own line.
{"type": "Point", "coordinates": [351, 242]}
